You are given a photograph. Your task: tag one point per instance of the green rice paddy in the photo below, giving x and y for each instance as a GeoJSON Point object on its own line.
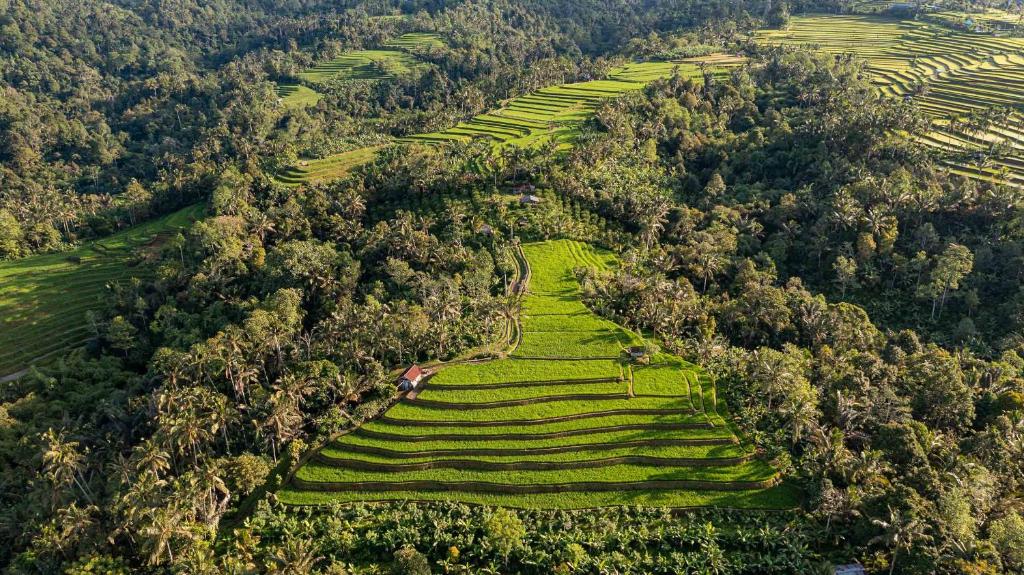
{"type": "Point", "coordinates": [565, 421]}
{"type": "Point", "coordinates": [950, 74]}
{"type": "Point", "coordinates": [554, 114]}
{"type": "Point", "coordinates": [396, 58]}
{"type": "Point", "coordinates": [44, 299]}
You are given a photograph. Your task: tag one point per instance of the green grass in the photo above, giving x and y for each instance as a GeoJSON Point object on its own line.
{"type": "Point", "coordinates": [750, 471]}
{"type": "Point", "coordinates": [297, 95]}
{"type": "Point", "coordinates": [329, 168]}
{"type": "Point", "coordinates": [509, 431]}
{"type": "Point", "coordinates": [782, 496]}
{"type": "Point", "coordinates": [362, 65]}
{"type": "Point", "coordinates": [44, 299]}
{"type": "Point", "coordinates": [526, 370]}
{"type": "Point", "coordinates": [417, 42]}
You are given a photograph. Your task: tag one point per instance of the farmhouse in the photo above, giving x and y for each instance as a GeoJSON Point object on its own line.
{"type": "Point", "coordinates": [410, 378]}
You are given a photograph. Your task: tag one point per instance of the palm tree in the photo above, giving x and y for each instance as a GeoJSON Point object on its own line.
{"type": "Point", "coordinates": [295, 557]}
{"type": "Point", "coordinates": [149, 457]}
{"type": "Point", "coordinates": [62, 463]}
{"type": "Point", "coordinates": [165, 525]}
{"type": "Point", "coordinates": [900, 532]}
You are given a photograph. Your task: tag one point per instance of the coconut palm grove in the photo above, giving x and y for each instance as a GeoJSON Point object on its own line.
{"type": "Point", "coordinates": [511, 287]}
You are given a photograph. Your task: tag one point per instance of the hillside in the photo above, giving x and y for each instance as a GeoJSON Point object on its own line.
{"type": "Point", "coordinates": [44, 299]}
{"type": "Point", "coordinates": [565, 421]}
{"type": "Point", "coordinates": [971, 85]}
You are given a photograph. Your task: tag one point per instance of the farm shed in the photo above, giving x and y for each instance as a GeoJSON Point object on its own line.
{"type": "Point", "coordinates": [410, 378]}
{"type": "Point", "coordinates": [529, 200]}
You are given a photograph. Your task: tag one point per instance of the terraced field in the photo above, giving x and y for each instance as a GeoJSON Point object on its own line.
{"type": "Point", "coordinates": [329, 168]}
{"type": "Point", "coordinates": [297, 95]}
{"type": "Point", "coordinates": [951, 75]}
{"type": "Point", "coordinates": [417, 42]}
{"type": "Point", "coordinates": [550, 113]}
{"type": "Point", "coordinates": [564, 422]}
{"type": "Point", "coordinates": [43, 299]}
{"type": "Point", "coordinates": [554, 113]}
{"type": "Point", "coordinates": [397, 58]}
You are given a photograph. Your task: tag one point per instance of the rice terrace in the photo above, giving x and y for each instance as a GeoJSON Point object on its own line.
{"type": "Point", "coordinates": [551, 114]}
{"type": "Point", "coordinates": [971, 84]}
{"type": "Point", "coordinates": [515, 287]}
{"type": "Point", "coordinates": [565, 420]}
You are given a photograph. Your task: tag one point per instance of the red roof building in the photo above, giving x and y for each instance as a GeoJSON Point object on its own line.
{"type": "Point", "coordinates": [411, 378]}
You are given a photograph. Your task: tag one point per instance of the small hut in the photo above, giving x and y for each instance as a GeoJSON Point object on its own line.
{"type": "Point", "coordinates": [638, 354]}
{"type": "Point", "coordinates": [529, 200]}
{"type": "Point", "coordinates": [410, 378]}
{"type": "Point", "coordinates": [851, 569]}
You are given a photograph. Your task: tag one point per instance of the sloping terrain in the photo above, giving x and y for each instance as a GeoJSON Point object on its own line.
{"type": "Point", "coordinates": [397, 57]}
{"type": "Point", "coordinates": [564, 421]}
{"type": "Point", "coordinates": [549, 114]}
{"type": "Point", "coordinates": [44, 299]}
{"type": "Point", "coordinates": [972, 85]}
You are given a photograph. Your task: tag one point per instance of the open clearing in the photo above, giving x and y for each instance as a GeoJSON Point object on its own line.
{"type": "Point", "coordinates": [565, 421]}
{"type": "Point", "coordinates": [44, 299]}
{"type": "Point", "coordinates": [951, 75]}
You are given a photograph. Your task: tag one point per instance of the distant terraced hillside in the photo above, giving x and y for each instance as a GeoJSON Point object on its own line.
{"type": "Point", "coordinates": [553, 113]}
{"type": "Point", "coordinates": [44, 299]}
{"type": "Point", "coordinates": [397, 57]}
{"type": "Point", "coordinates": [952, 75]}
{"type": "Point", "coordinates": [564, 422]}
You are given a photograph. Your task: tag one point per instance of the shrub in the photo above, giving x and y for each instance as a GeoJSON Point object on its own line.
{"type": "Point", "coordinates": [409, 561]}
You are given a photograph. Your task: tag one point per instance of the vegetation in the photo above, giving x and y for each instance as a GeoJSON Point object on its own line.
{"type": "Point", "coordinates": [45, 301]}
{"type": "Point", "coordinates": [372, 465]}
{"type": "Point", "coordinates": [969, 84]}
{"type": "Point", "coordinates": [810, 223]}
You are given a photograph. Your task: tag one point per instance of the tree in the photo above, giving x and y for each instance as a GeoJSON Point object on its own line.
{"type": "Point", "coordinates": [11, 236]}
{"type": "Point", "coordinates": [62, 463]}
{"type": "Point", "coordinates": [846, 273]}
{"type": "Point", "coordinates": [955, 262]}
{"type": "Point", "coordinates": [900, 532]}
{"type": "Point", "coordinates": [409, 561]}
{"type": "Point", "coordinates": [121, 334]}
{"type": "Point", "coordinates": [1007, 535]}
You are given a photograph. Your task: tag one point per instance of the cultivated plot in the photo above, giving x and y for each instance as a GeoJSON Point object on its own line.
{"type": "Point", "coordinates": [565, 421]}
{"type": "Point", "coordinates": [971, 84]}
{"type": "Point", "coordinates": [44, 299]}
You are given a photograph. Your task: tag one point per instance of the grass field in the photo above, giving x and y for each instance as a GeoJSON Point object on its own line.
{"type": "Point", "coordinates": [563, 422]}
{"type": "Point", "coordinates": [297, 95]}
{"type": "Point", "coordinates": [329, 168]}
{"type": "Point", "coordinates": [44, 299]}
{"type": "Point", "coordinates": [951, 75]}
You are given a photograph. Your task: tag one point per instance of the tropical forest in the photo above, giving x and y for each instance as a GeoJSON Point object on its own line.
{"type": "Point", "coordinates": [511, 287]}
